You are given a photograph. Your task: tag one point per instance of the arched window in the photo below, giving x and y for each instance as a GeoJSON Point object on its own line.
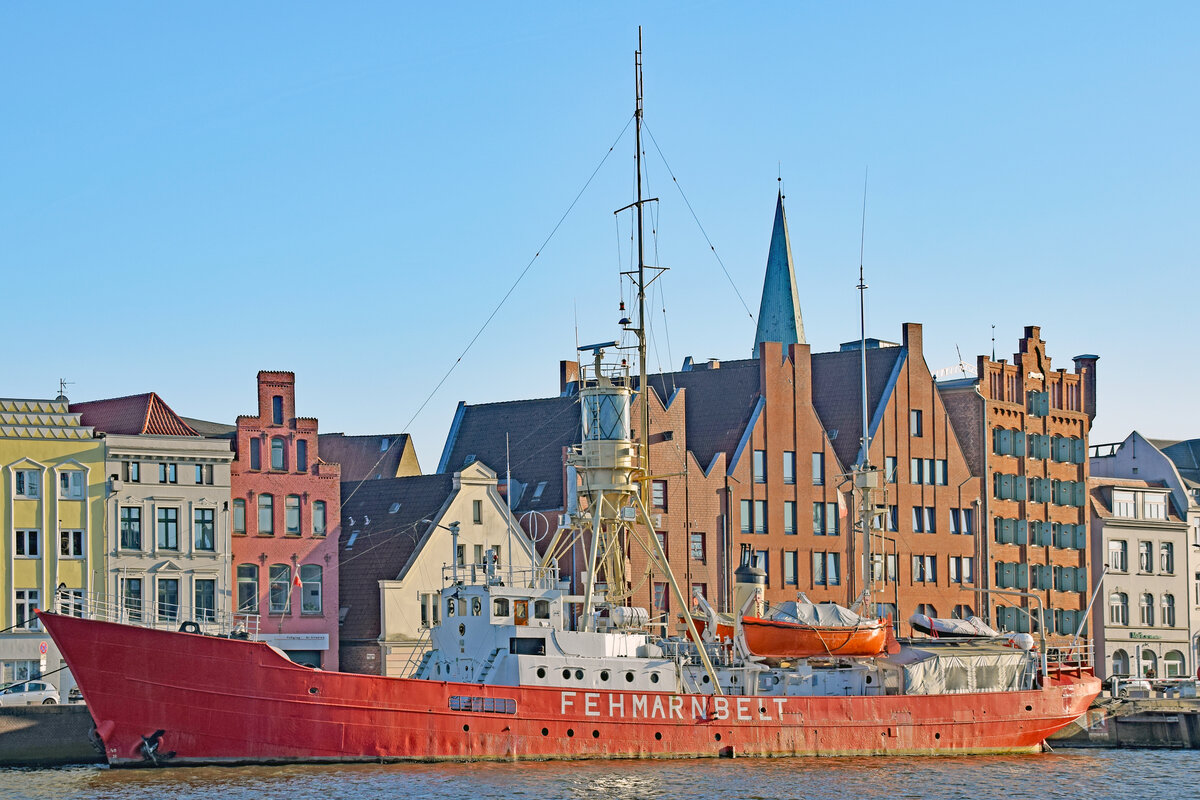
{"type": "Point", "coordinates": [1168, 610]}
{"type": "Point", "coordinates": [1118, 608]}
{"type": "Point", "coordinates": [278, 461]}
{"type": "Point", "coordinates": [1149, 663]}
{"type": "Point", "coordinates": [291, 515]}
{"type": "Point", "coordinates": [1146, 607]}
{"type": "Point", "coordinates": [962, 611]}
{"type": "Point", "coordinates": [1120, 662]}
{"type": "Point", "coordinates": [1173, 665]}
{"type": "Point", "coordinates": [247, 588]}
{"type": "Point", "coordinates": [310, 592]}
{"type": "Point", "coordinates": [927, 609]}
{"type": "Point", "coordinates": [281, 588]}
{"type": "Point", "coordinates": [266, 514]}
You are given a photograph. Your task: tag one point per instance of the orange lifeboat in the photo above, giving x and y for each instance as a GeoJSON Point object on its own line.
{"type": "Point", "coordinates": [804, 630]}
{"type": "Point", "coordinates": [777, 639]}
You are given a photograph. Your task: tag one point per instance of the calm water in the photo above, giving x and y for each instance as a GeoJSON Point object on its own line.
{"type": "Point", "coordinates": [1070, 774]}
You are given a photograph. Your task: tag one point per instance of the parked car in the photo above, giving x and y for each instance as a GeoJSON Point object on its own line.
{"type": "Point", "coordinates": [29, 693]}
{"type": "Point", "coordinates": [74, 695]}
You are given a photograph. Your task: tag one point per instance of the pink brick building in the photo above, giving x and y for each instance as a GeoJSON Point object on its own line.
{"type": "Point", "coordinates": [285, 518]}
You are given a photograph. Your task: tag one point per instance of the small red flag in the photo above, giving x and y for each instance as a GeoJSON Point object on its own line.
{"type": "Point", "coordinates": [296, 580]}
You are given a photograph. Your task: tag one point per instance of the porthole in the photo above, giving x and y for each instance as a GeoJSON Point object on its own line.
{"type": "Point", "coordinates": [595, 734]}
{"type": "Point", "coordinates": [869, 679]}
{"type": "Point", "coordinates": [733, 678]}
{"type": "Point", "coordinates": [654, 677]}
{"type": "Point", "coordinates": [541, 672]}
{"type": "Point", "coordinates": [762, 710]}
{"type": "Point", "coordinates": [658, 735]}
{"type": "Point", "coordinates": [312, 690]}
{"type": "Point", "coordinates": [717, 736]}
{"type": "Point", "coordinates": [937, 736]}
{"type": "Point", "coordinates": [578, 674]}
{"type": "Point", "coordinates": [466, 728]}
{"type": "Point", "coordinates": [603, 674]}
{"type": "Point", "coordinates": [566, 674]}
{"type": "Point", "coordinates": [629, 677]}
{"type": "Point", "coordinates": [570, 732]}
{"type": "Point", "coordinates": [1029, 708]}
{"type": "Point", "coordinates": [545, 731]}
{"type": "Point", "coordinates": [704, 678]}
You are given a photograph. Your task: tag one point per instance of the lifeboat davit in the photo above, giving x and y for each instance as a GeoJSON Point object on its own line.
{"type": "Point", "coordinates": [808, 630]}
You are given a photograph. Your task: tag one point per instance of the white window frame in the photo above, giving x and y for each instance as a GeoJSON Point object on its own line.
{"type": "Point", "coordinates": [24, 603]}
{"type": "Point", "coordinates": [22, 537]}
{"type": "Point", "coordinates": [71, 484]}
{"type": "Point", "coordinates": [67, 547]}
{"type": "Point", "coordinates": [27, 484]}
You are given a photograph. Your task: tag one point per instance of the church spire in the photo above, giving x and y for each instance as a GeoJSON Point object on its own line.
{"type": "Point", "coordinates": [779, 317]}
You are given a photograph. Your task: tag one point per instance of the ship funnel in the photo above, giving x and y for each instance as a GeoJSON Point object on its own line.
{"type": "Point", "coordinates": [749, 583]}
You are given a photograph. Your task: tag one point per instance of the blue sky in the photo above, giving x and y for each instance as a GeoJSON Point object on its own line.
{"type": "Point", "coordinates": [192, 192]}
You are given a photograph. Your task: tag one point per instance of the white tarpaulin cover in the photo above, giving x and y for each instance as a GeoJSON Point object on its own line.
{"type": "Point", "coordinates": [829, 615]}
{"type": "Point", "coordinates": [962, 669]}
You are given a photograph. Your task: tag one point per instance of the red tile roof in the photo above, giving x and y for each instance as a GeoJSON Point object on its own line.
{"type": "Point", "coordinates": [134, 415]}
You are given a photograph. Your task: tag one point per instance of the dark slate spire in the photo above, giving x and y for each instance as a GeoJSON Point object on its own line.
{"type": "Point", "coordinates": [779, 313]}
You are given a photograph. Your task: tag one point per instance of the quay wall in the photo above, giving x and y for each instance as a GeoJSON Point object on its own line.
{"type": "Point", "coordinates": [43, 736]}
{"type": "Point", "coordinates": [1135, 723]}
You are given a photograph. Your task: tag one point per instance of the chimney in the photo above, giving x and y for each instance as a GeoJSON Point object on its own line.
{"type": "Point", "coordinates": [912, 339]}
{"type": "Point", "coordinates": [1085, 365]}
{"type": "Point", "coordinates": [568, 373]}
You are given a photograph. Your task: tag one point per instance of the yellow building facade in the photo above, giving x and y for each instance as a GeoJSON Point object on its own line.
{"type": "Point", "coordinates": [52, 498]}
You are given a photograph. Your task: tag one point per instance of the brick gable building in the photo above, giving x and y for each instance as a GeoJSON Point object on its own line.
{"type": "Point", "coordinates": [285, 525]}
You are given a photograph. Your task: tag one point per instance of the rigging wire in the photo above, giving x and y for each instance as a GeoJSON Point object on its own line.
{"type": "Point", "coordinates": [503, 300]}
{"type": "Point", "coordinates": [698, 223]}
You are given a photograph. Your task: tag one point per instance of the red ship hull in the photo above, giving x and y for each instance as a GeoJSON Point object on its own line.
{"type": "Point", "coordinates": [178, 698]}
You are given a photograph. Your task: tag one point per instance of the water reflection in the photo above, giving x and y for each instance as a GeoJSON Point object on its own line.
{"type": "Point", "coordinates": [1070, 775]}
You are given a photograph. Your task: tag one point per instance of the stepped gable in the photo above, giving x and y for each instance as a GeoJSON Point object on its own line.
{"type": "Point", "coordinates": [134, 415]}
{"type": "Point", "coordinates": [385, 542]}
{"type": "Point", "coordinates": [720, 400]}
{"type": "Point", "coordinates": [538, 430]}
{"type": "Point", "coordinates": [837, 393]}
{"type": "Point", "coordinates": [779, 317]}
{"type": "Point", "coordinates": [370, 457]}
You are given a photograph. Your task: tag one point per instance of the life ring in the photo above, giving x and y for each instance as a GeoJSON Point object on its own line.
{"type": "Point", "coordinates": [189, 627]}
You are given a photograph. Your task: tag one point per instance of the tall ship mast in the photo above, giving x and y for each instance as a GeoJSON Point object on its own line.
{"type": "Point", "coordinates": [522, 667]}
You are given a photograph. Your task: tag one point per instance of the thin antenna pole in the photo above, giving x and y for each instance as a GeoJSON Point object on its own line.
{"type": "Point", "coordinates": [644, 400]}
{"type": "Point", "coordinates": [864, 467]}
{"type": "Point", "coordinates": [509, 498]}
{"type": "Point", "coordinates": [862, 327]}
{"type": "Point", "coordinates": [993, 343]}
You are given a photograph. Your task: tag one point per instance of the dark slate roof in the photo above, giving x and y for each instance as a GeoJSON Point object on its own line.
{"type": "Point", "coordinates": [385, 543]}
{"type": "Point", "coordinates": [135, 414]}
{"type": "Point", "coordinates": [537, 432]}
{"type": "Point", "coordinates": [837, 393]}
{"type": "Point", "coordinates": [212, 430]}
{"type": "Point", "coordinates": [719, 404]}
{"type": "Point", "coordinates": [1185, 454]}
{"type": "Point", "coordinates": [363, 457]}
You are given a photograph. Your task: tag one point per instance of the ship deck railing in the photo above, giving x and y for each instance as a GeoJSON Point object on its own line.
{"type": "Point", "coordinates": [483, 575]}
{"type": "Point", "coordinates": [1073, 657]}
{"type": "Point", "coordinates": [160, 615]}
